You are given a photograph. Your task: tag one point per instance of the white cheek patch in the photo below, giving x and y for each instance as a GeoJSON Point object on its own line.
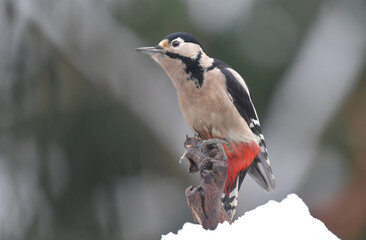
{"type": "Point", "coordinates": [188, 49]}
{"type": "Point", "coordinates": [206, 61]}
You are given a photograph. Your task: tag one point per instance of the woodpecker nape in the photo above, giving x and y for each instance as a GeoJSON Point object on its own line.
{"type": "Point", "coordinates": [216, 104]}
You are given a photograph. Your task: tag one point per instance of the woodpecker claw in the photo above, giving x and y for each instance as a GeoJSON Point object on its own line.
{"type": "Point", "coordinates": [196, 136]}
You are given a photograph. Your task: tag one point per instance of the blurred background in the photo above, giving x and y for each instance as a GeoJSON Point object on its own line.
{"type": "Point", "coordinates": [91, 131]}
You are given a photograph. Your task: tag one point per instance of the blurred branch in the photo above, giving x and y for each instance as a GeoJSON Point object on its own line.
{"type": "Point", "coordinates": [312, 91]}
{"type": "Point", "coordinates": [345, 214]}
{"type": "Point", "coordinates": [109, 62]}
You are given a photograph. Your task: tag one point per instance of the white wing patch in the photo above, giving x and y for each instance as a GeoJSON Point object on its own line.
{"type": "Point", "coordinates": [255, 121]}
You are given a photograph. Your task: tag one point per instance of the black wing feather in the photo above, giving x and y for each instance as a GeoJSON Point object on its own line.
{"type": "Point", "coordinates": [243, 103]}
{"type": "Point", "coordinates": [241, 98]}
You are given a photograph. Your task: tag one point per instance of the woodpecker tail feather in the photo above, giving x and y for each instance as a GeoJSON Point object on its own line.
{"type": "Point", "coordinates": [256, 173]}
{"type": "Point", "coordinates": [261, 172]}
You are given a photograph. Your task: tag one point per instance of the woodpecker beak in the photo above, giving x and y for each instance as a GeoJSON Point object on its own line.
{"type": "Point", "coordinates": [150, 50]}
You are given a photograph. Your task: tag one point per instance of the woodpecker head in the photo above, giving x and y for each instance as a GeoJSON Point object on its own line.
{"type": "Point", "coordinates": [181, 56]}
{"type": "Point", "coordinates": [180, 43]}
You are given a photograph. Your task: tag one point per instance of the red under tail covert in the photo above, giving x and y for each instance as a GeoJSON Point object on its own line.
{"type": "Point", "coordinates": [240, 156]}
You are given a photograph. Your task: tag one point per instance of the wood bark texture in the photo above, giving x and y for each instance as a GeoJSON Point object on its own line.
{"type": "Point", "coordinates": [210, 161]}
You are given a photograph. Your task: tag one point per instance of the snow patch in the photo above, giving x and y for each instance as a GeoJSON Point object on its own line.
{"type": "Point", "coordinates": [289, 219]}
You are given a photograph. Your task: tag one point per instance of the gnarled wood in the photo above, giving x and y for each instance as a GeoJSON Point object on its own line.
{"type": "Point", "coordinates": [205, 200]}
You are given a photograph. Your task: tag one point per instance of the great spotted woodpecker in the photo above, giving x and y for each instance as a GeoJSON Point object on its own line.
{"type": "Point", "coordinates": [216, 104]}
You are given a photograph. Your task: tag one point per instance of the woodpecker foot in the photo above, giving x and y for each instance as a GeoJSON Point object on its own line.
{"type": "Point", "coordinates": [188, 144]}
{"type": "Point", "coordinates": [196, 136]}
{"type": "Point", "coordinates": [213, 148]}
{"type": "Point", "coordinates": [197, 150]}
{"type": "Point", "coordinates": [209, 158]}
{"type": "Point", "coordinates": [193, 154]}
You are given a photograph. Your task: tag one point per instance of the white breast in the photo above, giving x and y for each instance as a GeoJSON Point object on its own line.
{"type": "Point", "coordinates": [209, 109]}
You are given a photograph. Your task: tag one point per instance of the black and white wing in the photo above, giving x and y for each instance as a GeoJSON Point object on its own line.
{"type": "Point", "coordinates": [260, 170]}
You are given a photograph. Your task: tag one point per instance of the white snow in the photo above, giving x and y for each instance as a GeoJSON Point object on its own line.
{"type": "Point", "coordinates": [289, 219]}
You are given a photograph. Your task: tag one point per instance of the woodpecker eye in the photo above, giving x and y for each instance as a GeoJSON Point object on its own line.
{"type": "Point", "coordinates": [175, 43]}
